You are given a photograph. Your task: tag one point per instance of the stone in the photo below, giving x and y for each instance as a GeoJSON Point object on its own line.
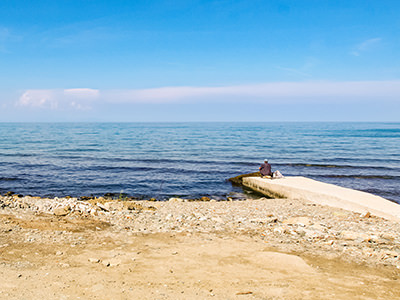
{"type": "Point", "coordinates": [105, 263]}
{"type": "Point", "coordinates": [175, 200]}
{"type": "Point", "coordinates": [271, 219]}
{"type": "Point", "coordinates": [85, 198]}
{"type": "Point", "coordinates": [312, 234]}
{"type": "Point", "coordinates": [365, 215]}
{"type": "Point", "coordinates": [114, 205]}
{"type": "Point", "coordinates": [62, 211]}
{"type": "Point", "coordinates": [354, 236]}
{"type": "Point", "coordinates": [244, 293]}
{"type": "Point", "coordinates": [318, 228]}
{"type": "Point", "coordinates": [94, 260]}
{"type": "Point", "coordinates": [340, 213]}
{"type": "Point", "coordinates": [113, 262]}
{"type": "Point", "coordinates": [150, 208]}
{"type": "Point", "coordinates": [377, 240]}
{"type": "Point", "coordinates": [102, 206]}
{"type": "Point", "coordinates": [279, 230]}
{"type": "Point", "coordinates": [388, 236]}
{"type": "Point", "coordinates": [392, 253]}
{"type": "Point", "coordinates": [301, 221]}
{"type": "Point", "coordinates": [131, 205]}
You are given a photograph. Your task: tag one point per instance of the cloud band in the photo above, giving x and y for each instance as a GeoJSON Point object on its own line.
{"type": "Point", "coordinates": [83, 98]}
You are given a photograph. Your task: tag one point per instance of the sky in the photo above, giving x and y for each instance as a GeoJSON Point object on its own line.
{"type": "Point", "coordinates": [183, 60]}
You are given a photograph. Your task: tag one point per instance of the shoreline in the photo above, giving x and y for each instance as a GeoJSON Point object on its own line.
{"type": "Point", "coordinates": [177, 249]}
{"type": "Point", "coordinates": [232, 196]}
{"type": "Point", "coordinates": [296, 218]}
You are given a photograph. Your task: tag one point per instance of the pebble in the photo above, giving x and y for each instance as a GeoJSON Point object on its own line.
{"type": "Point", "coordinates": [365, 215]}
{"type": "Point", "coordinates": [62, 211]}
{"type": "Point", "coordinates": [301, 221]}
{"type": "Point", "coordinates": [290, 225]}
{"type": "Point", "coordinates": [113, 262]}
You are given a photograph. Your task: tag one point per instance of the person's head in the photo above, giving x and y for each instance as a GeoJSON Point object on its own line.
{"type": "Point", "coordinates": [266, 160]}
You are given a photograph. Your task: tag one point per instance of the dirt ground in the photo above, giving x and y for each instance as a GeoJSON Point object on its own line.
{"type": "Point", "coordinates": [48, 257]}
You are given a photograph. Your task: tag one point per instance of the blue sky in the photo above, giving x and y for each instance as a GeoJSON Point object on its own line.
{"type": "Point", "coordinates": [199, 60]}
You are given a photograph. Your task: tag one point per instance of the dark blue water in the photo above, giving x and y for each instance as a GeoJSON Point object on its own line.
{"type": "Point", "coordinates": [193, 159]}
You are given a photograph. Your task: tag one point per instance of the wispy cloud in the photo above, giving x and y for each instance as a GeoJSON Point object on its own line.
{"type": "Point", "coordinates": [82, 93]}
{"type": "Point", "coordinates": [289, 92]}
{"type": "Point", "coordinates": [38, 98]}
{"type": "Point", "coordinates": [77, 99]}
{"type": "Point", "coordinates": [267, 92]}
{"type": "Point", "coordinates": [365, 46]}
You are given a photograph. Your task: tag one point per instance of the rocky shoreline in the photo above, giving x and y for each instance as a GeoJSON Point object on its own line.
{"type": "Point", "coordinates": [283, 225]}
{"type": "Point", "coordinates": [289, 225]}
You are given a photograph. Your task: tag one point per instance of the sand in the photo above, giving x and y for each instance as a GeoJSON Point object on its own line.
{"type": "Point", "coordinates": [253, 249]}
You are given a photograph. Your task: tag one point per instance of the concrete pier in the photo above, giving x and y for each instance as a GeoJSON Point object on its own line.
{"type": "Point", "coordinates": [325, 194]}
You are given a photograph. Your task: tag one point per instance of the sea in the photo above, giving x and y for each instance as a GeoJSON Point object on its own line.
{"type": "Point", "coordinates": [191, 160]}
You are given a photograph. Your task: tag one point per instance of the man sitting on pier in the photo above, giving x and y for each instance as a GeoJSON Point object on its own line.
{"type": "Point", "coordinates": [265, 169]}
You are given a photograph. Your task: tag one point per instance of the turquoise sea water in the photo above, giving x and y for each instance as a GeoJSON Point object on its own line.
{"type": "Point", "coordinates": [193, 159]}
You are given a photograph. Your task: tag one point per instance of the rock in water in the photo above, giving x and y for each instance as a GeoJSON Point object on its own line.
{"type": "Point", "coordinates": [238, 179]}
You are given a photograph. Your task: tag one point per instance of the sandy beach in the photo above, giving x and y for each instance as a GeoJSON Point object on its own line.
{"type": "Point", "coordinates": [199, 150]}
{"type": "Point", "coordinates": [254, 249]}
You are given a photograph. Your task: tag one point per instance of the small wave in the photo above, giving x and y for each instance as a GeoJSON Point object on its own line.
{"type": "Point", "coordinates": [161, 161]}
{"type": "Point", "coordinates": [334, 166]}
{"type": "Point", "coordinates": [18, 154]}
{"type": "Point", "coordinates": [164, 170]}
{"type": "Point", "coordinates": [167, 160]}
{"type": "Point", "coordinates": [317, 165]}
{"type": "Point", "coordinates": [121, 169]}
{"type": "Point", "coordinates": [361, 176]}
{"type": "Point", "coordinates": [10, 179]}
{"type": "Point", "coordinates": [80, 150]}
